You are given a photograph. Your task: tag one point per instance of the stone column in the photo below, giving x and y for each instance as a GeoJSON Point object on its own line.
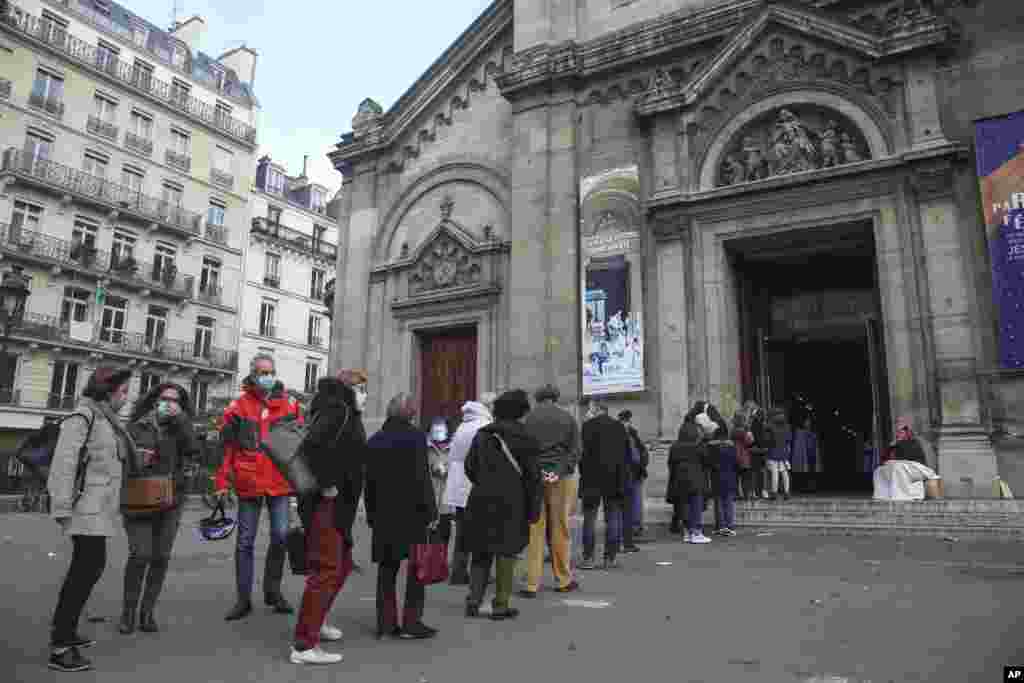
{"type": "Point", "coordinates": [357, 228]}
{"type": "Point", "coordinates": [543, 316]}
{"type": "Point", "coordinates": [966, 459]}
{"type": "Point", "coordinates": [673, 366]}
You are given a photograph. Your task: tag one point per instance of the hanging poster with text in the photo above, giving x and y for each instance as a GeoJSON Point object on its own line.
{"type": "Point", "coordinates": [1000, 159]}
{"type": "Point", "coordinates": [611, 317]}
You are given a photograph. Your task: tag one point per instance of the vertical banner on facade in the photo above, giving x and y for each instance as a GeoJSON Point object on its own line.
{"type": "Point", "coordinates": [1000, 157]}
{"type": "Point", "coordinates": [611, 270]}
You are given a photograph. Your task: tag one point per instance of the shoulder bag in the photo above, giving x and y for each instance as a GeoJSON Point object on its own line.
{"type": "Point", "coordinates": [148, 494]}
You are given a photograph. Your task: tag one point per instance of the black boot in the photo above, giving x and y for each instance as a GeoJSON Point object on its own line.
{"type": "Point", "coordinates": [460, 569]}
{"type": "Point", "coordinates": [127, 624]}
{"type": "Point", "coordinates": [154, 584]}
{"type": "Point", "coordinates": [241, 610]}
{"type": "Point", "coordinates": [146, 622]}
{"type": "Point", "coordinates": [279, 603]}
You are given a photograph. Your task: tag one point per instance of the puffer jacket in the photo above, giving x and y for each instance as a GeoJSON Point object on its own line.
{"type": "Point", "coordinates": [474, 416]}
{"type": "Point", "coordinates": [244, 426]}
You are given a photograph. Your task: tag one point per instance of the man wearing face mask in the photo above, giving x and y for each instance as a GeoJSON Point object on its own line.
{"type": "Point", "coordinates": [255, 478]}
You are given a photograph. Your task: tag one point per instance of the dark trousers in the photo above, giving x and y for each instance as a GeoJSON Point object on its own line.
{"type": "Point", "coordinates": [695, 513]}
{"type": "Point", "coordinates": [248, 524]}
{"type": "Point", "coordinates": [88, 560]}
{"type": "Point", "coordinates": [460, 558]}
{"type": "Point", "coordinates": [387, 597]}
{"type": "Point", "coordinates": [725, 510]}
{"type": "Point", "coordinates": [613, 532]}
{"type": "Point", "coordinates": [504, 577]}
{"type": "Point", "coordinates": [756, 477]}
{"type": "Point", "coordinates": [150, 540]}
{"type": "Point", "coordinates": [330, 562]}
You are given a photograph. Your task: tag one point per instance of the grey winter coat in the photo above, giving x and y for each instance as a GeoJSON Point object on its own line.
{"type": "Point", "coordinates": [98, 511]}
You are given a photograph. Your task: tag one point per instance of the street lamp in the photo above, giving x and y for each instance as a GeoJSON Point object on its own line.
{"type": "Point", "coordinates": [13, 293]}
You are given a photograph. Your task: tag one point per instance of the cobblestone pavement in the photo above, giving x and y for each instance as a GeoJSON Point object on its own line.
{"type": "Point", "coordinates": [766, 608]}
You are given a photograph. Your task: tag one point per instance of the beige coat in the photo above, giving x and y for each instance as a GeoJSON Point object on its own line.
{"type": "Point", "coordinates": [98, 511]}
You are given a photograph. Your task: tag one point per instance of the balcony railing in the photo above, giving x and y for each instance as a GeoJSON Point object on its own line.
{"type": "Point", "coordinates": [98, 126]}
{"type": "Point", "coordinates": [316, 341]}
{"type": "Point", "coordinates": [178, 161]}
{"type": "Point", "coordinates": [218, 177]}
{"type": "Point", "coordinates": [272, 281]}
{"type": "Point", "coordinates": [210, 294]}
{"type": "Point", "coordinates": [143, 274]}
{"type": "Point", "coordinates": [51, 329]}
{"type": "Point", "coordinates": [81, 51]}
{"type": "Point", "coordinates": [138, 143]}
{"type": "Point", "coordinates": [50, 105]}
{"type": "Point", "coordinates": [294, 238]}
{"type": "Point", "coordinates": [268, 331]}
{"type": "Point", "coordinates": [95, 188]}
{"type": "Point", "coordinates": [216, 233]}
{"type": "Point", "coordinates": [60, 402]}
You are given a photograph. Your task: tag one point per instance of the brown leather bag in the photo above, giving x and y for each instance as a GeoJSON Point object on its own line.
{"type": "Point", "coordinates": [146, 495]}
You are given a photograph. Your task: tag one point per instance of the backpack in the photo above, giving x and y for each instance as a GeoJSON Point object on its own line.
{"type": "Point", "coordinates": [37, 449]}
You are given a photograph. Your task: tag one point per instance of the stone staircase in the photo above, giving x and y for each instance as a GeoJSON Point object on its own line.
{"type": "Point", "coordinates": [952, 518]}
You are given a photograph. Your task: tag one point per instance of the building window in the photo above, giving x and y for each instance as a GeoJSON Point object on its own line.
{"type": "Point", "coordinates": [268, 315]}
{"type": "Point", "coordinates": [55, 27]}
{"type": "Point", "coordinates": [215, 213]}
{"type": "Point", "coordinates": [313, 337]}
{"type": "Point", "coordinates": [140, 34]}
{"type": "Point", "coordinates": [163, 261]}
{"type": "Point", "coordinates": [64, 385]}
{"type": "Point", "coordinates": [316, 200]}
{"type": "Point", "coordinates": [75, 306]}
{"type": "Point", "coordinates": [142, 75]}
{"type": "Point", "coordinates": [312, 375]}
{"type": "Point", "coordinates": [318, 237]}
{"type": "Point", "coordinates": [104, 109]}
{"type": "Point", "coordinates": [95, 165]}
{"type": "Point", "coordinates": [106, 56]}
{"type": "Point", "coordinates": [179, 57]}
{"type": "Point", "coordinates": [200, 391]}
{"type": "Point", "coordinates": [122, 255]}
{"type": "Point", "coordinates": [172, 194]}
{"type": "Point", "coordinates": [204, 337]}
{"type": "Point", "coordinates": [209, 280]}
{"type": "Point", "coordinates": [181, 142]}
{"type": "Point", "coordinates": [83, 240]}
{"type": "Point", "coordinates": [272, 270]}
{"type": "Point", "coordinates": [141, 126]}
{"type": "Point", "coordinates": [25, 217]}
{"type": "Point", "coordinates": [275, 181]}
{"type": "Point", "coordinates": [115, 313]}
{"type": "Point", "coordinates": [316, 284]}
{"type": "Point", "coordinates": [148, 381]}
{"type": "Point", "coordinates": [217, 74]}
{"type": "Point", "coordinates": [180, 91]}
{"type": "Point", "coordinates": [37, 150]}
{"type": "Point", "coordinates": [221, 112]}
{"type": "Point", "coordinates": [132, 178]}
{"type": "Point", "coordinates": [156, 326]}
{"type": "Point", "coordinates": [273, 215]}
{"type": "Point", "coordinates": [224, 160]}
{"type": "Point", "coordinates": [48, 93]}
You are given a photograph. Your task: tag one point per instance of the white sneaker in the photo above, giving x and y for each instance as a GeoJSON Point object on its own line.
{"type": "Point", "coordinates": [330, 633]}
{"type": "Point", "coordinates": [699, 538]}
{"type": "Point", "coordinates": [686, 537]}
{"type": "Point", "coordinates": [314, 656]}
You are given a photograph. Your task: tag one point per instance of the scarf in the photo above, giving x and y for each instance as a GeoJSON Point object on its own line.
{"type": "Point", "coordinates": [125, 443]}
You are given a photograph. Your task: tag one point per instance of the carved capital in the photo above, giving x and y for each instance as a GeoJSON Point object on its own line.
{"type": "Point", "coordinates": [932, 181]}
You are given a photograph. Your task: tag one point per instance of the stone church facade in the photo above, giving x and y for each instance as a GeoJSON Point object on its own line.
{"type": "Point", "coordinates": [769, 136]}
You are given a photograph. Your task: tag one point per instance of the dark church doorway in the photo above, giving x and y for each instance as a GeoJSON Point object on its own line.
{"type": "Point", "coordinates": [813, 345]}
{"type": "Point", "coordinates": [448, 360]}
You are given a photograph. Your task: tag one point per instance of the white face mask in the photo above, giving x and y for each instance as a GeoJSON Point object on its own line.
{"type": "Point", "coordinates": [360, 397]}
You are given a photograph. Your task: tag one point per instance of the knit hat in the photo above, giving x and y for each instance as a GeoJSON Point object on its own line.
{"type": "Point", "coordinates": [512, 405]}
{"type": "Point", "coordinates": [352, 377]}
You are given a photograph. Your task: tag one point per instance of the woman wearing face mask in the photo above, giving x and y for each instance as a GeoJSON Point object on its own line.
{"type": "Point", "coordinates": [162, 428]}
{"type": "Point", "coordinates": [88, 518]}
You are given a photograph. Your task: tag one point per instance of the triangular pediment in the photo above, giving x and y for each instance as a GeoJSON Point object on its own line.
{"type": "Point", "coordinates": [804, 44]}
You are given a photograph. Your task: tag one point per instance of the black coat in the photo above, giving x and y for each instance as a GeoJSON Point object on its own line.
{"type": "Point", "coordinates": [400, 500]}
{"type": "Point", "coordinates": [639, 471]}
{"type": "Point", "coordinates": [686, 462]}
{"type": "Point", "coordinates": [603, 469]}
{"type": "Point", "coordinates": [502, 503]}
{"type": "Point", "coordinates": [335, 448]}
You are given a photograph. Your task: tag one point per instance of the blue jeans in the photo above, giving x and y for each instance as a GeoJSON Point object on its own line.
{"type": "Point", "coordinates": [726, 510]}
{"type": "Point", "coordinates": [612, 524]}
{"type": "Point", "coordinates": [248, 524]}
{"type": "Point", "coordinates": [695, 513]}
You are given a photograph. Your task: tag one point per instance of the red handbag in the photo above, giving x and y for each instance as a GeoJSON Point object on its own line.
{"type": "Point", "coordinates": [431, 562]}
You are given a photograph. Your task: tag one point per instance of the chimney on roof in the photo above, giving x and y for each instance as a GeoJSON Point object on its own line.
{"type": "Point", "coordinates": [243, 61]}
{"type": "Point", "coordinates": [190, 32]}
{"type": "Point", "coordinates": [305, 165]}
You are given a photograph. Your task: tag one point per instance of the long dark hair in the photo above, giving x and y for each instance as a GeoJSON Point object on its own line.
{"type": "Point", "coordinates": [104, 380]}
{"type": "Point", "coordinates": [145, 404]}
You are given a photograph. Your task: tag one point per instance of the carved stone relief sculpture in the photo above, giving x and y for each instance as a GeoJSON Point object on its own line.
{"type": "Point", "coordinates": [445, 263]}
{"type": "Point", "coordinates": [791, 140]}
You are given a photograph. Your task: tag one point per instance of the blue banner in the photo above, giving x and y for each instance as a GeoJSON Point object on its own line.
{"type": "Point", "coordinates": [999, 144]}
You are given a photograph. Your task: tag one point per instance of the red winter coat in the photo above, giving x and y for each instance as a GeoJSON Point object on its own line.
{"type": "Point", "coordinates": [246, 424]}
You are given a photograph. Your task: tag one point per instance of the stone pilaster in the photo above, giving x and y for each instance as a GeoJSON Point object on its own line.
{"type": "Point", "coordinates": [673, 367]}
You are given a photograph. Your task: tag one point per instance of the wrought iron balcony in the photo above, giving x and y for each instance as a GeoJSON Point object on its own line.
{"type": "Point", "coordinates": [216, 233]}
{"type": "Point", "coordinates": [316, 341]}
{"type": "Point", "coordinates": [98, 126]}
{"type": "Point", "coordinates": [80, 51]}
{"type": "Point", "coordinates": [95, 189]}
{"type": "Point", "coordinates": [51, 329]}
{"type": "Point", "coordinates": [210, 294]}
{"type": "Point", "coordinates": [178, 161]}
{"type": "Point", "coordinates": [268, 331]}
{"type": "Point", "coordinates": [294, 239]}
{"type": "Point", "coordinates": [139, 144]}
{"type": "Point", "coordinates": [218, 177]}
{"type": "Point", "coordinates": [61, 401]}
{"type": "Point", "coordinates": [47, 250]}
{"type": "Point", "coordinates": [144, 275]}
{"type": "Point", "coordinates": [50, 105]}
{"type": "Point", "coordinates": [272, 281]}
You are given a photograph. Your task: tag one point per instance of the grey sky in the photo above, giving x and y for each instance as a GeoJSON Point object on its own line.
{"type": "Point", "coordinates": [318, 60]}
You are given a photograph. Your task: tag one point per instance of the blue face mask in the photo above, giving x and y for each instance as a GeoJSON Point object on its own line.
{"type": "Point", "coordinates": [266, 382]}
{"type": "Point", "coordinates": [163, 409]}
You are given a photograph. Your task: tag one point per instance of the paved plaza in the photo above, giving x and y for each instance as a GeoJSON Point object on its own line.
{"type": "Point", "coordinates": [769, 608]}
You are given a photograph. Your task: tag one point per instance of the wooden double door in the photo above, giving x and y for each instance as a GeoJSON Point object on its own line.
{"type": "Point", "coordinates": [448, 362]}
